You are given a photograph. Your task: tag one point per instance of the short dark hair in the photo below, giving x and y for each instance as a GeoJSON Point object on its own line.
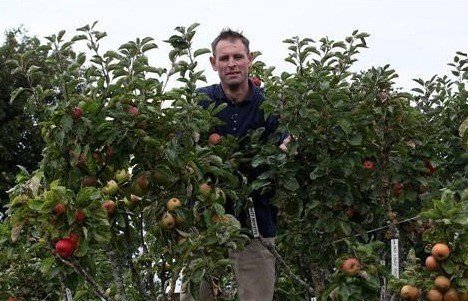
{"type": "Point", "coordinates": [231, 35]}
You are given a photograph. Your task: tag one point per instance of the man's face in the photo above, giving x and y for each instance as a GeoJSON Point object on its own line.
{"type": "Point", "coordinates": [232, 62]}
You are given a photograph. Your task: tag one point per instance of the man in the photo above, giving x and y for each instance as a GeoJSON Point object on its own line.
{"type": "Point", "coordinates": [254, 267]}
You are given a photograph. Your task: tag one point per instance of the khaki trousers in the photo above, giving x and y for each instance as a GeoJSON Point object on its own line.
{"type": "Point", "coordinates": [254, 269]}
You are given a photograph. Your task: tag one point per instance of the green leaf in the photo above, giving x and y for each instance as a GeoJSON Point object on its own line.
{"type": "Point", "coordinates": [16, 93]}
{"type": "Point", "coordinates": [201, 51]}
{"type": "Point", "coordinates": [35, 204]}
{"type": "Point", "coordinates": [291, 183]}
{"type": "Point", "coordinates": [356, 140]}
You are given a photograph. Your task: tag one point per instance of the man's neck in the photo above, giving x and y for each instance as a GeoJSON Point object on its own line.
{"type": "Point", "coordinates": [236, 93]}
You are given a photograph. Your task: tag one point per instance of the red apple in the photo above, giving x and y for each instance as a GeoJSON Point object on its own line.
{"type": "Point", "coordinates": [256, 81]}
{"type": "Point", "coordinates": [368, 164]}
{"type": "Point", "coordinates": [214, 139]}
{"type": "Point", "coordinates": [440, 251]}
{"type": "Point", "coordinates": [77, 113]}
{"type": "Point", "coordinates": [79, 216]}
{"type": "Point", "coordinates": [74, 239]}
{"type": "Point", "coordinates": [109, 206]}
{"type": "Point", "coordinates": [351, 266]}
{"type": "Point", "coordinates": [59, 209]}
{"type": "Point", "coordinates": [64, 247]}
{"type": "Point", "coordinates": [431, 263]}
{"type": "Point", "coordinates": [133, 111]}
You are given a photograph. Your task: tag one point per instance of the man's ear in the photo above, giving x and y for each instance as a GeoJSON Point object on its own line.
{"type": "Point", "coordinates": [250, 57]}
{"type": "Point", "coordinates": [213, 63]}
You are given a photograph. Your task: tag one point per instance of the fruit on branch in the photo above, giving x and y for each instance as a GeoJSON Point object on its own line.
{"type": "Point", "coordinates": [214, 139]}
{"type": "Point", "coordinates": [122, 176]}
{"type": "Point", "coordinates": [109, 206]}
{"type": "Point", "coordinates": [442, 283]}
{"type": "Point", "coordinates": [205, 189]}
{"type": "Point", "coordinates": [59, 209]}
{"type": "Point", "coordinates": [64, 248]}
{"type": "Point", "coordinates": [451, 295]}
{"type": "Point", "coordinates": [111, 188]}
{"type": "Point", "coordinates": [440, 251]}
{"type": "Point", "coordinates": [409, 292]}
{"type": "Point", "coordinates": [167, 221]}
{"type": "Point", "coordinates": [80, 216]}
{"type": "Point", "coordinates": [434, 295]}
{"type": "Point", "coordinates": [431, 263]}
{"type": "Point", "coordinates": [351, 266]}
{"type": "Point", "coordinates": [77, 113]}
{"type": "Point", "coordinates": [173, 203]}
{"type": "Point", "coordinates": [132, 110]}
{"type": "Point", "coordinates": [369, 165]}
{"type": "Point", "coordinates": [88, 181]}
{"type": "Point", "coordinates": [256, 81]}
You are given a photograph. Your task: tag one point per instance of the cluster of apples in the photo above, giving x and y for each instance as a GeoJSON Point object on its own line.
{"type": "Point", "coordinates": [442, 289]}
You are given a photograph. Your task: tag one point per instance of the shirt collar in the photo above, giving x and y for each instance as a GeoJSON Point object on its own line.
{"type": "Point", "coordinates": [253, 93]}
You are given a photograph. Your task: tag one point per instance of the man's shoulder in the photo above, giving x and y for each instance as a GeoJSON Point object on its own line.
{"type": "Point", "coordinates": [211, 90]}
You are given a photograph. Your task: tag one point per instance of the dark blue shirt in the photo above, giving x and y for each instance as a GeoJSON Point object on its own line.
{"type": "Point", "coordinates": [239, 119]}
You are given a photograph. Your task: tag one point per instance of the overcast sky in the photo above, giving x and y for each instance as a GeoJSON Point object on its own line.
{"type": "Point", "coordinates": [416, 37]}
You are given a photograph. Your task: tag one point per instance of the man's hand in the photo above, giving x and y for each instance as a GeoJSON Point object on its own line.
{"type": "Point", "coordinates": [284, 145]}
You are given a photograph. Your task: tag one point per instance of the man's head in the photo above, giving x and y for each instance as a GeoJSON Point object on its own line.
{"type": "Point", "coordinates": [231, 58]}
{"type": "Point", "coordinates": [230, 35]}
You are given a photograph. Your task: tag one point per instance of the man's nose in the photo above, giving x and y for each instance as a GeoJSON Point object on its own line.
{"type": "Point", "coordinates": [231, 62]}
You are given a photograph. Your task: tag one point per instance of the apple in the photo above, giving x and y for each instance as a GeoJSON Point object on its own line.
{"type": "Point", "coordinates": [167, 221]}
{"type": "Point", "coordinates": [431, 263]}
{"type": "Point", "coordinates": [142, 181]}
{"type": "Point", "coordinates": [132, 110]}
{"type": "Point", "coordinates": [451, 295]}
{"type": "Point", "coordinates": [351, 266]}
{"type": "Point", "coordinates": [430, 170]}
{"type": "Point", "coordinates": [81, 161]}
{"type": "Point", "coordinates": [442, 283]}
{"type": "Point", "coordinates": [134, 198]}
{"type": "Point", "coordinates": [409, 292]}
{"type": "Point", "coordinates": [12, 299]}
{"type": "Point", "coordinates": [173, 204]}
{"type": "Point", "coordinates": [59, 209]}
{"type": "Point", "coordinates": [77, 113]}
{"type": "Point", "coordinates": [109, 206]}
{"type": "Point", "coordinates": [142, 125]}
{"type": "Point", "coordinates": [111, 188]}
{"type": "Point", "coordinates": [205, 189]}
{"type": "Point", "coordinates": [214, 139]}
{"type": "Point", "coordinates": [64, 248]}
{"type": "Point", "coordinates": [434, 295]}
{"type": "Point", "coordinates": [398, 188]}
{"type": "Point", "coordinates": [256, 81]}
{"type": "Point", "coordinates": [122, 176]}
{"type": "Point", "coordinates": [97, 156]}
{"type": "Point", "coordinates": [110, 152]}
{"type": "Point", "coordinates": [440, 251]}
{"type": "Point", "coordinates": [74, 239]}
{"type": "Point", "coordinates": [80, 216]}
{"type": "Point", "coordinates": [368, 164]}
{"type": "Point", "coordinates": [89, 181]}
